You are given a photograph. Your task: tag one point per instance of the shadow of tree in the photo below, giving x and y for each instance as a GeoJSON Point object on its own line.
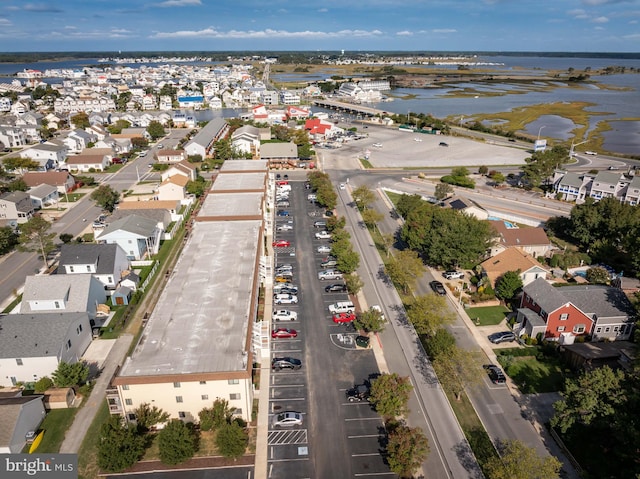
{"type": "Point", "coordinates": [468, 460]}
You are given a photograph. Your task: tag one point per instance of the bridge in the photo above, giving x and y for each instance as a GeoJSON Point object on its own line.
{"type": "Point", "coordinates": [350, 108]}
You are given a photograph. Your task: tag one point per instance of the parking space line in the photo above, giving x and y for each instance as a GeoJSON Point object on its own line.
{"type": "Point", "coordinates": [286, 399]}
{"type": "Point", "coordinates": [363, 435]}
{"type": "Point", "coordinates": [366, 455]}
{"type": "Point", "coordinates": [287, 351]}
{"type": "Point", "coordinates": [289, 460]}
{"type": "Point", "coordinates": [364, 419]}
{"type": "Point", "coordinates": [364, 474]}
{"type": "Point", "coordinates": [287, 385]}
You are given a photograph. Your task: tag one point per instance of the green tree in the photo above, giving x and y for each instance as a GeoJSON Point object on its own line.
{"type": "Point", "coordinates": [8, 239]}
{"type": "Point", "coordinates": [371, 217]}
{"type": "Point", "coordinates": [80, 120]}
{"type": "Point", "coordinates": [508, 285]}
{"type": "Point", "coordinates": [407, 448]}
{"type": "Point", "coordinates": [327, 197]}
{"type": "Point", "coordinates": [389, 394]}
{"type": "Point", "coordinates": [176, 442]}
{"type": "Point", "coordinates": [17, 185]}
{"type": "Point", "coordinates": [441, 342]}
{"type": "Point", "coordinates": [408, 204]}
{"type": "Point", "coordinates": [598, 275]}
{"type": "Point", "coordinates": [363, 197]}
{"type": "Point", "coordinates": [156, 130]}
{"type": "Point", "coordinates": [371, 320]}
{"type": "Point", "coordinates": [122, 100]}
{"type": "Point", "coordinates": [20, 165]}
{"type": "Point", "coordinates": [217, 415]}
{"type": "Point", "coordinates": [428, 313]}
{"type": "Point", "coordinates": [498, 178]}
{"type": "Point", "coordinates": [120, 445]}
{"type": "Point", "coordinates": [65, 237]}
{"type": "Point", "coordinates": [43, 384]}
{"type": "Point", "coordinates": [353, 282]}
{"type": "Point", "coordinates": [197, 187]}
{"type": "Point", "coordinates": [35, 238]}
{"type": "Point", "coordinates": [592, 397]}
{"type": "Point", "coordinates": [70, 374]}
{"type": "Point", "coordinates": [483, 169]}
{"type": "Point", "coordinates": [148, 416]}
{"type": "Point", "coordinates": [348, 261]}
{"type": "Point", "coordinates": [443, 190]}
{"type": "Point", "coordinates": [459, 370]}
{"type": "Point", "coordinates": [518, 461]}
{"type": "Point", "coordinates": [232, 440]}
{"type": "Point", "coordinates": [106, 197]}
{"type": "Point", "coordinates": [117, 127]}
{"type": "Point", "coordinates": [404, 269]}
{"type": "Point", "coordinates": [223, 149]}
{"type": "Point", "coordinates": [335, 223]}
{"type": "Point", "coordinates": [139, 142]}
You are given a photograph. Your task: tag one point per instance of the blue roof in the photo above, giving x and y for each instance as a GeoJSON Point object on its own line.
{"type": "Point", "coordinates": [190, 98]}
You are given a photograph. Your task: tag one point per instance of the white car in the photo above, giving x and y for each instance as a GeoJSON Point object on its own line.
{"type": "Point", "coordinates": [284, 227]}
{"type": "Point", "coordinates": [329, 274]}
{"type": "Point", "coordinates": [287, 419]}
{"type": "Point", "coordinates": [342, 307]}
{"type": "Point", "coordinates": [323, 235]}
{"type": "Point", "coordinates": [284, 315]}
{"type": "Point", "coordinates": [342, 186]}
{"type": "Point", "coordinates": [590, 153]}
{"type": "Point", "coordinates": [417, 139]}
{"type": "Point", "coordinates": [377, 145]}
{"type": "Point", "coordinates": [285, 299]}
{"type": "Point", "coordinates": [324, 249]}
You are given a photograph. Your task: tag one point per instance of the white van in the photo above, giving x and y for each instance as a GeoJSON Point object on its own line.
{"type": "Point", "coordinates": [342, 307]}
{"type": "Point", "coordinates": [282, 188]}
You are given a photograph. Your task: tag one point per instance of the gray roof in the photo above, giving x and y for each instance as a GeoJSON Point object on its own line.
{"type": "Point", "coordinates": [210, 130]}
{"type": "Point", "coordinates": [200, 323]}
{"type": "Point", "coordinates": [159, 215]}
{"type": "Point", "coordinates": [102, 255]}
{"type": "Point", "coordinates": [244, 165]}
{"type": "Point", "coordinates": [42, 191]}
{"type": "Point", "coordinates": [607, 177]}
{"type": "Point", "coordinates": [239, 182]}
{"type": "Point", "coordinates": [74, 289]}
{"type": "Point", "coordinates": [10, 408]}
{"type": "Point", "coordinates": [35, 335]}
{"type": "Point", "coordinates": [595, 301]}
{"type": "Point", "coordinates": [278, 150]}
{"type": "Point", "coordinates": [232, 204]}
{"type": "Point", "coordinates": [534, 318]}
{"type": "Point", "coordinates": [15, 197]}
{"type": "Point", "coordinates": [135, 224]}
{"type": "Point", "coordinates": [248, 129]}
{"type": "Point", "coordinates": [48, 147]}
{"type": "Point", "coordinates": [571, 179]}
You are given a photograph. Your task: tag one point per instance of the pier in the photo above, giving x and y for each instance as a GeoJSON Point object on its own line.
{"type": "Point", "coordinates": [350, 108]}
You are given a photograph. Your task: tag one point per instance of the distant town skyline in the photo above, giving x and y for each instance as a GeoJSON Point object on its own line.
{"type": "Point", "coordinates": [411, 25]}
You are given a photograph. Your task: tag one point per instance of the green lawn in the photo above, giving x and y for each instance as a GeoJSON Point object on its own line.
{"type": "Point", "coordinates": [488, 315]}
{"type": "Point", "coordinates": [88, 453]}
{"type": "Point", "coordinates": [393, 197]}
{"type": "Point", "coordinates": [533, 375]}
{"type": "Point", "coordinates": [55, 426]}
{"type": "Point", "coordinates": [366, 163]}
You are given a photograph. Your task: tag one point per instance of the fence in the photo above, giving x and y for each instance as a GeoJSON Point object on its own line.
{"type": "Point", "coordinates": [148, 279]}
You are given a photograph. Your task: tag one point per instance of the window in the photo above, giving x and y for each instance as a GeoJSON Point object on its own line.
{"type": "Point", "coordinates": [615, 328]}
{"type": "Point", "coordinates": [607, 329]}
{"type": "Point", "coordinates": [88, 269]}
{"type": "Point", "coordinates": [68, 343]}
{"type": "Point", "coordinates": [578, 328]}
{"type": "Point", "coordinates": [178, 398]}
{"type": "Point", "coordinates": [57, 304]}
{"type": "Point", "coordinates": [80, 327]}
{"type": "Point", "coordinates": [19, 361]}
{"type": "Point", "coordinates": [128, 402]}
{"type": "Point", "coordinates": [564, 316]}
{"type": "Point", "coordinates": [132, 417]}
{"type": "Point", "coordinates": [234, 396]}
{"type": "Point", "coordinates": [203, 382]}
{"type": "Point", "coordinates": [125, 387]}
{"type": "Point", "coordinates": [205, 397]}
{"type": "Point", "coordinates": [233, 381]}
{"type": "Point", "coordinates": [70, 269]}
{"type": "Point", "coordinates": [599, 329]}
{"type": "Point", "coordinates": [176, 385]}
{"type": "Point", "coordinates": [238, 411]}
{"type": "Point", "coordinates": [182, 414]}
{"type": "Point", "coordinates": [560, 329]}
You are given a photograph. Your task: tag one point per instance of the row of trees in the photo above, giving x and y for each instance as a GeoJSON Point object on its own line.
{"type": "Point", "coordinates": [123, 444]}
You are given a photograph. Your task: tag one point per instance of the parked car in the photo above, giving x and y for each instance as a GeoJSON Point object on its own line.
{"type": "Point", "coordinates": [502, 337]}
{"type": "Point", "coordinates": [312, 197]}
{"type": "Point", "coordinates": [284, 315]}
{"type": "Point", "coordinates": [285, 288]}
{"type": "Point", "coordinates": [442, 143]}
{"type": "Point", "coordinates": [283, 204]}
{"type": "Point", "coordinates": [324, 249]}
{"type": "Point", "coordinates": [287, 419]}
{"type": "Point", "coordinates": [329, 274]}
{"type": "Point", "coordinates": [285, 363]}
{"type": "Point", "coordinates": [285, 298]}
{"type": "Point", "coordinates": [336, 288]}
{"type": "Point", "coordinates": [281, 244]}
{"type": "Point", "coordinates": [284, 333]}
{"type": "Point", "coordinates": [323, 235]}
{"type": "Point", "coordinates": [438, 288]}
{"type": "Point", "coordinates": [328, 263]}
{"type": "Point", "coordinates": [278, 176]}
{"type": "Point", "coordinates": [358, 393]}
{"type": "Point", "coordinates": [283, 278]}
{"type": "Point", "coordinates": [342, 307]}
{"type": "Point", "coordinates": [342, 186]}
{"type": "Point", "coordinates": [283, 213]}
{"type": "Point", "coordinates": [453, 274]}
{"type": "Point", "coordinates": [341, 318]}
{"type": "Point", "coordinates": [285, 227]}
{"type": "Point", "coordinates": [284, 267]}
{"type": "Point", "coordinates": [495, 374]}
{"type": "Point", "coordinates": [320, 224]}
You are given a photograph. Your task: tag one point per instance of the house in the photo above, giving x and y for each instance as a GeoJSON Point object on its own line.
{"type": "Point", "coordinates": [171, 156]}
{"type": "Point", "coordinates": [202, 143]}
{"type": "Point", "coordinates": [18, 416]}
{"type": "Point", "coordinates": [607, 185]}
{"type": "Point", "coordinates": [81, 293]}
{"type": "Point", "coordinates": [297, 113]}
{"type": "Point", "coordinates": [77, 140]}
{"type": "Point", "coordinates": [43, 196]}
{"type": "Point", "coordinates": [183, 168]}
{"type": "Point", "coordinates": [47, 155]}
{"type": "Point", "coordinates": [513, 259]}
{"type": "Point", "coordinates": [62, 180]}
{"type": "Point", "coordinates": [33, 345]}
{"type": "Point", "coordinates": [131, 281]}
{"type": "Point", "coordinates": [279, 154]}
{"type": "Point", "coordinates": [138, 236]}
{"type": "Point", "coordinates": [247, 140]}
{"type": "Point", "coordinates": [12, 136]}
{"type": "Point", "coordinates": [121, 296]}
{"type": "Point", "coordinates": [466, 206]}
{"type": "Point", "coordinates": [91, 159]}
{"type": "Point", "coordinates": [632, 195]}
{"type": "Point", "coordinates": [590, 355]}
{"type": "Point", "coordinates": [533, 241]}
{"type": "Point", "coordinates": [195, 101]}
{"type": "Point", "coordinates": [173, 188]}
{"type": "Point", "coordinates": [321, 129]}
{"type": "Point", "coordinates": [162, 212]}
{"type": "Point", "coordinates": [106, 262]}
{"type": "Point", "coordinates": [563, 313]}
{"type": "Point", "coordinates": [16, 208]}
{"type": "Point", "coordinates": [131, 133]}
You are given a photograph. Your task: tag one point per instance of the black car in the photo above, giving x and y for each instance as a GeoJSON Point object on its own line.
{"type": "Point", "coordinates": [495, 373]}
{"type": "Point", "coordinates": [278, 176]}
{"type": "Point", "coordinates": [438, 288]}
{"type": "Point", "coordinates": [358, 393]}
{"type": "Point", "coordinates": [336, 288]}
{"type": "Point", "coordinates": [285, 363]}
{"type": "Point", "coordinates": [501, 337]}
{"type": "Point", "coordinates": [442, 143]}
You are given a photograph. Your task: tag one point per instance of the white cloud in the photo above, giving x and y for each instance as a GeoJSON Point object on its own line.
{"type": "Point", "coordinates": [268, 33]}
{"type": "Point", "coordinates": [323, 10]}
{"type": "Point", "coordinates": [445, 30]}
{"type": "Point", "coordinates": [632, 36]}
{"type": "Point", "coordinates": [41, 8]}
{"type": "Point", "coordinates": [578, 13]}
{"type": "Point", "coordinates": [4, 22]}
{"type": "Point", "coordinates": [179, 3]}
{"type": "Point", "coordinates": [404, 33]}
{"type": "Point", "coordinates": [600, 20]}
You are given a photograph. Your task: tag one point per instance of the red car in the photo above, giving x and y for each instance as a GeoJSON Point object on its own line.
{"type": "Point", "coordinates": [281, 244]}
{"type": "Point", "coordinates": [284, 333]}
{"type": "Point", "coordinates": [344, 318]}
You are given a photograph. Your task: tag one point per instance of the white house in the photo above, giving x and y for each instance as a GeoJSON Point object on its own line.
{"type": "Point", "coordinates": [43, 196]}
{"type": "Point", "coordinates": [16, 208]}
{"type": "Point", "coordinates": [183, 168]}
{"type": "Point", "coordinates": [247, 140]}
{"type": "Point", "coordinates": [33, 345]}
{"type": "Point", "coordinates": [202, 143]}
{"type": "Point", "coordinates": [171, 156]}
{"type": "Point", "coordinates": [106, 262]}
{"type": "Point", "coordinates": [138, 236]}
{"type": "Point", "coordinates": [47, 155]}
{"type": "Point", "coordinates": [97, 159]}
{"type": "Point", "coordinates": [173, 188]}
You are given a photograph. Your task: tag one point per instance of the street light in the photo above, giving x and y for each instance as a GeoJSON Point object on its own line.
{"type": "Point", "coordinates": [540, 130]}
{"type": "Point", "coordinates": [572, 146]}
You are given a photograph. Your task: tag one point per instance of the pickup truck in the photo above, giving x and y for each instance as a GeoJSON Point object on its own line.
{"type": "Point", "coordinates": [342, 307]}
{"type": "Point", "coordinates": [329, 274]}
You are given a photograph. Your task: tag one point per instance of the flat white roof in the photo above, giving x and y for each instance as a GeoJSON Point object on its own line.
{"type": "Point", "coordinates": [244, 165]}
{"type": "Point", "coordinates": [240, 181]}
{"type": "Point", "coordinates": [201, 320]}
{"type": "Point", "coordinates": [232, 204]}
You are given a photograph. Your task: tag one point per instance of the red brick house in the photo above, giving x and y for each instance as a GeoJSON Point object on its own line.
{"type": "Point", "coordinates": [562, 314]}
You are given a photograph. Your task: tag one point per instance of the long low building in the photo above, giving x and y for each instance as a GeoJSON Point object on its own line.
{"type": "Point", "coordinates": [197, 343]}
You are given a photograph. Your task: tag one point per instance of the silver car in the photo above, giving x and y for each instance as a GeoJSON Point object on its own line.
{"type": "Point", "coordinates": [287, 419]}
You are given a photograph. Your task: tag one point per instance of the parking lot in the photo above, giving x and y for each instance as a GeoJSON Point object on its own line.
{"type": "Point", "coordinates": [337, 438]}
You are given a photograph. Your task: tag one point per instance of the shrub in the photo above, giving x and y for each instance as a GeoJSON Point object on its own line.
{"type": "Point", "coordinates": [43, 384]}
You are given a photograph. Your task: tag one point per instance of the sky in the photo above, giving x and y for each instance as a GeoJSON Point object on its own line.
{"type": "Point", "coordinates": [350, 25]}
